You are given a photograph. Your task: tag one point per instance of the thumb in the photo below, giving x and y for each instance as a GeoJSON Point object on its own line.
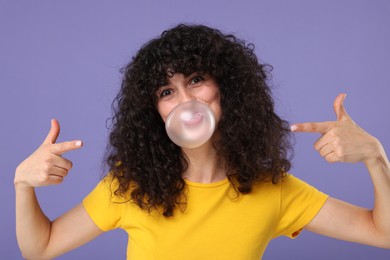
{"type": "Point", "coordinates": [54, 132]}
{"type": "Point", "coordinates": [339, 108]}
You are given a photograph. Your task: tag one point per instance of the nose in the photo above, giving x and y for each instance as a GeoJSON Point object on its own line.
{"type": "Point", "coordinates": [185, 96]}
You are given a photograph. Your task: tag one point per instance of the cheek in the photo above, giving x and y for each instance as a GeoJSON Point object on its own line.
{"type": "Point", "coordinates": [164, 109]}
{"type": "Point", "coordinates": [215, 105]}
{"type": "Point", "coordinates": [217, 112]}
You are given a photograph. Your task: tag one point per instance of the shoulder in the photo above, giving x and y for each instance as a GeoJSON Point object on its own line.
{"type": "Point", "coordinates": [106, 191]}
{"type": "Point", "coordinates": [288, 188]}
{"type": "Point", "coordinates": [292, 184]}
{"type": "Point", "coordinates": [104, 205]}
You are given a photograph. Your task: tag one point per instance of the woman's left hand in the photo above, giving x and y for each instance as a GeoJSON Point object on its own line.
{"type": "Point", "coordinates": [342, 140]}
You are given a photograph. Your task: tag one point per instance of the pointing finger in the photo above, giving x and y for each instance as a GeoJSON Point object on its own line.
{"type": "Point", "coordinates": [64, 147]}
{"type": "Point", "coordinates": [54, 132]}
{"type": "Point", "coordinates": [312, 127]}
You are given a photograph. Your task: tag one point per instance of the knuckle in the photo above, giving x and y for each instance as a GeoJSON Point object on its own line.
{"type": "Point", "coordinates": [46, 167]}
{"type": "Point", "coordinates": [331, 159]}
{"type": "Point", "coordinates": [47, 160]}
{"type": "Point", "coordinates": [57, 149]}
{"type": "Point", "coordinates": [43, 178]}
{"type": "Point", "coordinates": [331, 133]}
{"type": "Point", "coordinates": [313, 126]}
{"type": "Point", "coordinates": [340, 152]}
{"type": "Point", "coordinates": [340, 155]}
{"type": "Point", "coordinates": [328, 160]}
{"type": "Point", "coordinates": [337, 143]}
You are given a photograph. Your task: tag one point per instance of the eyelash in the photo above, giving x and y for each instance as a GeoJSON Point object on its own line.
{"type": "Point", "coordinates": [196, 77]}
{"type": "Point", "coordinates": [162, 92]}
{"type": "Point", "coordinates": [200, 78]}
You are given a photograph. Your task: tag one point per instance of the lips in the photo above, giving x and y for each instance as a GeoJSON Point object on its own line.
{"type": "Point", "coordinates": [191, 119]}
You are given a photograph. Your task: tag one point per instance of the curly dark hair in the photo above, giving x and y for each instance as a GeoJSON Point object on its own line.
{"type": "Point", "coordinates": [254, 142]}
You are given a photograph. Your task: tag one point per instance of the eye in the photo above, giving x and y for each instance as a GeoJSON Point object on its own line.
{"type": "Point", "coordinates": [196, 79]}
{"type": "Point", "coordinates": [165, 92]}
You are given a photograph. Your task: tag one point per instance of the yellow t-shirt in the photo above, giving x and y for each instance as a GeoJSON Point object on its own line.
{"type": "Point", "coordinates": [216, 223]}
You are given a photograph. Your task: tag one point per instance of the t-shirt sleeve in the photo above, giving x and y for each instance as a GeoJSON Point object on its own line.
{"type": "Point", "coordinates": [103, 206]}
{"type": "Point", "coordinates": [299, 204]}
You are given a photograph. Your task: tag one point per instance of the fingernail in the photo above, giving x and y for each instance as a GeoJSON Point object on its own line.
{"type": "Point", "coordinates": [293, 128]}
{"type": "Point", "coordinates": [78, 143]}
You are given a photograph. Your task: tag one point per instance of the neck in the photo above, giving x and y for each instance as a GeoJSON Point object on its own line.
{"type": "Point", "coordinates": [204, 166]}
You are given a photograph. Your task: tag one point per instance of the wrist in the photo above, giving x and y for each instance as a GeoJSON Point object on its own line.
{"type": "Point", "coordinates": [378, 157]}
{"type": "Point", "coordinates": [19, 183]}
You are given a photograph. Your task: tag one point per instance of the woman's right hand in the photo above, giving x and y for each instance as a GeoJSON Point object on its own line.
{"type": "Point", "coordinates": [46, 166]}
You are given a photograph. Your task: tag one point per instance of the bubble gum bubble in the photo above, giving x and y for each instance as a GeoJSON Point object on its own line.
{"type": "Point", "coordinates": [190, 124]}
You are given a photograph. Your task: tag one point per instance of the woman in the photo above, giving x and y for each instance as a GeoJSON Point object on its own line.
{"type": "Point", "coordinates": [225, 199]}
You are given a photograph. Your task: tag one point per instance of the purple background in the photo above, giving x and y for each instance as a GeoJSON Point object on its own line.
{"type": "Point", "coordinates": [60, 59]}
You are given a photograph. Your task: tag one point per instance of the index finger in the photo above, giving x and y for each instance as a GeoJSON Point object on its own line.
{"type": "Point", "coordinates": [312, 127]}
{"type": "Point", "coordinates": [61, 148]}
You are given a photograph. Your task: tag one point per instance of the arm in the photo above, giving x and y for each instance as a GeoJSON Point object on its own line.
{"type": "Point", "coordinates": [38, 237]}
{"type": "Point", "coordinates": [344, 141]}
{"type": "Point", "coordinates": [344, 221]}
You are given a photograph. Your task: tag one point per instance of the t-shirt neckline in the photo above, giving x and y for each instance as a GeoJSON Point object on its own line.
{"type": "Point", "coordinates": [206, 185]}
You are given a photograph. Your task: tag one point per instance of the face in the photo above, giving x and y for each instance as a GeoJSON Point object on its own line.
{"type": "Point", "coordinates": [181, 89]}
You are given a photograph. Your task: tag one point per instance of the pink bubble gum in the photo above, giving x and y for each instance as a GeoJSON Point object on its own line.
{"type": "Point", "coordinates": [190, 124]}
